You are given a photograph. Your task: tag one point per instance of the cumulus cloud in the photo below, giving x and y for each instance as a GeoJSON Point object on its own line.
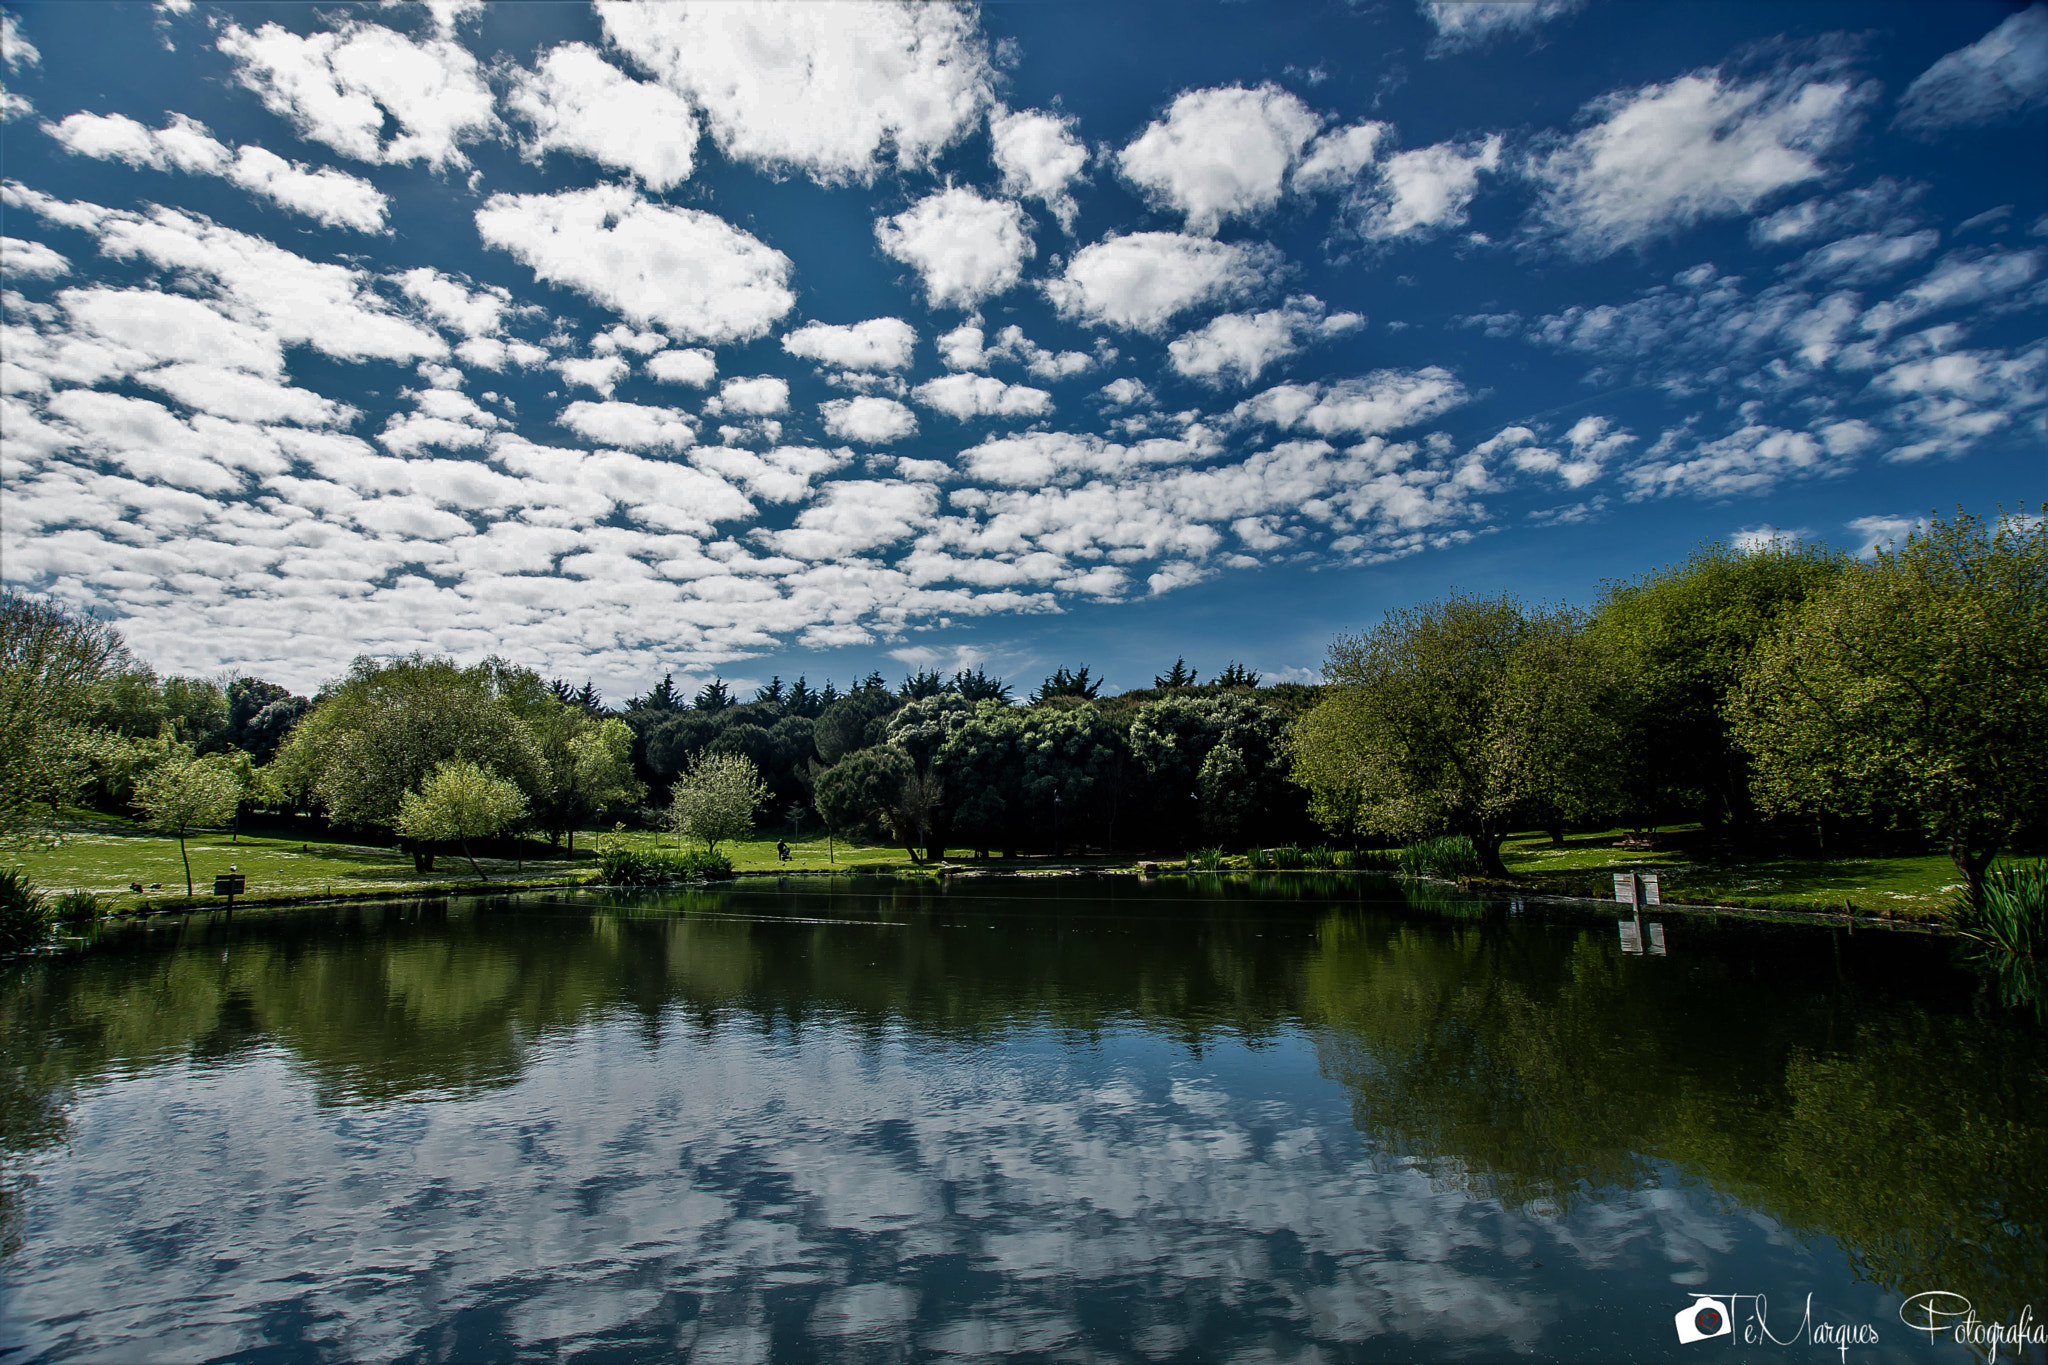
{"type": "Point", "coordinates": [1425, 190]}
{"type": "Point", "coordinates": [1383, 401]}
{"type": "Point", "coordinates": [783, 474]}
{"type": "Point", "coordinates": [853, 515]}
{"type": "Point", "coordinates": [877, 344]}
{"type": "Point", "coordinates": [1335, 160]}
{"type": "Point", "coordinates": [1463, 24]}
{"type": "Point", "coordinates": [1143, 281]}
{"type": "Point", "coordinates": [578, 102]}
{"type": "Point", "coordinates": [688, 271]}
{"type": "Point", "coordinates": [1752, 459]}
{"type": "Point", "coordinates": [1591, 443]}
{"type": "Point", "coordinates": [452, 303]}
{"type": "Point", "coordinates": [967, 396]}
{"type": "Point", "coordinates": [15, 48]}
{"type": "Point", "coordinates": [630, 425]}
{"type": "Point", "coordinates": [964, 247]}
{"type": "Point", "coordinates": [340, 88]}
{"type": "Point", "coordinates": [694, 366]}
{"type": "Point", "coordinates": [1220, 153]}
{"type": "Point", "coordinates": [761, 396]}
{"type": "Point", "coordinates": [19, 257]}
{"type": "Point", "coordinates": [1883, 203]}
{"type": "Point", "coordinates": [1039, 157]}
{"type": "Point", "coordinates": [868, 419]}
{"type": "Point", "coordinates": [1997, 78]}
{"type": "Point", "coordinates": [1881, 533]}
{"type": "Point", "coordinates": [817, 88]}
{"type": "Point", "coordinates": [1660, 158]}
{"type": "Point", "coordinates": [1239, 347]}
{"type": "Point", "coordinates": [600, 372]}
{"type": "Point", "coordinates": [1754, 539]}
{"type": "Point", "coordinates": [328, 196]}
{"type": "Point", "coordinates": [1964, 277]}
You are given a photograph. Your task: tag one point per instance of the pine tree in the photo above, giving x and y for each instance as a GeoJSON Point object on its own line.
{"type": "Point", "coordinates": [1179, 676]}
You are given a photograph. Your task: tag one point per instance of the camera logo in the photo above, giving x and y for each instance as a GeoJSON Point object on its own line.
{"type": "Point", "coordinates": [1708, 1316]}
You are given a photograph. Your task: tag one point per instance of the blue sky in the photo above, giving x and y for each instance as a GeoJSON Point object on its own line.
{"type": "Point", "coordinates": [749, 340]}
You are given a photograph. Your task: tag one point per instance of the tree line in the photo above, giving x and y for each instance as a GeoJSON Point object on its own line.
{"type": "Point", "coordinates": [1789, 687]}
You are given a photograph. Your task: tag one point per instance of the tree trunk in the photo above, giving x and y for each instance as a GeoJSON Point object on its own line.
{"type": "Point", "coordinates": [1487, 846]}
{"type": "Point", "coordinates": [474, 867]}
{"type": "Point", "coordinates": [1973, 865]}
{"type": "Point", "coordinates": [422, 856]}
{"type": "Point", "coordinates": [188, 864]}
{"type": "Point", "coordinates": [1556, 833]}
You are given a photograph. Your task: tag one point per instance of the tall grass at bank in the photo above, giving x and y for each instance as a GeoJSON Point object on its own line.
{"type": "Point", "coordinates": [1448, 856]}
{"type": "Point", "coordinates": [25, 912]}
{"type": "Point", "coordinates": [620, 864]}
{"type": "Point", "coordinates": [2010, 913]}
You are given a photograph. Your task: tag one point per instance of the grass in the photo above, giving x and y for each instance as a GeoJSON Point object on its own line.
{"type": "Point", "coordinates": [1693, 869]}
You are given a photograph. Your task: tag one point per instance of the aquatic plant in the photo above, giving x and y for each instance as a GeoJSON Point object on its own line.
{"type": "Point", "coordinates": [2010, 911]}
{"type": "Point", "coordinates": [1206, 860]}
{"type": "Point", "coordinates": [621, 864]}
{"type": "Point", "coordinates": [1448, 855]}
{"type": "Point", "coordinates": [24, 911]}
{"type": "Point", "coordinates": [78, 907]}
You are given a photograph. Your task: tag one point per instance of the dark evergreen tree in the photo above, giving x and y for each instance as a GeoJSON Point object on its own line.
{"type": "Point", "coordinates": [714, 696]}
{"type": "Point", "coordinates": [561, 691]}
{"type": "Point", "coordinates": [774, 693]}
{"type": "Point", "coordinates": [1180, 675]}
{"type": "Point", "coordinates": [923, 683]}
{"type": "Point", "coordinates": [662, 698]}
{"type": "Point", "coordinates": [802, 701]}
{"type": "Point", "coordinates": [828, 696]}
{"type": "Point", "coordinates": [1237, 675]}
{"type": "Point", "coordinates": [590, 699]}
{"type": "Point", "coordinates": [1065, 684]}
{"type": "Point", "coordinates": [873, 683]}
{"type": "Point", "coordinates": [979, 686]}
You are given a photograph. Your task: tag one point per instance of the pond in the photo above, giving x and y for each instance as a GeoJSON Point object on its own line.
{"type": "Point", "coordinates": [1205, 1119]}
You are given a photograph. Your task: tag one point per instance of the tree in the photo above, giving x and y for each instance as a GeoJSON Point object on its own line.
{"type": "Point", "coordinates": [1065, 684]}
{"type": "Point", "coordinates": [1180, 675]}
{"type": "Point", "coordinates": [1456, 717]}
{"type": "Point", "coordinates": [802, 701]}
{"type": "Point", "coordinates": [979, 686]}
{"type": "Point", "coordinates": [381, 730]}
{"type": "Point", "coordinates": [926, 682]}
{"type": "Point", "coordinates": [1217, 763]}
{"type": "Point", "coordinates": [856, 721]}
{"type": "Point", "coordinates": [1686, 632]}
{"type": "Point", "coordinates": [1917, 683]}
{"type": "Point", "coordinates": [1236, 674]}
{"type": "Point", "coordinates": [713, 696]}
{"type": "Point", "coordinates": [589, 768]}
{"type": "Point", "coordinates": [51, 661]}
{"type": "Point", "coordinates": [983, 767]}
{"type": "Point", "coordinates": [458, 802]}
{"type": "Point", "coordinates": [716, 799]}
{"type": "Point", "coordinates": [864, 792]}
{"type": "Point", "coordinates": [186, 791]}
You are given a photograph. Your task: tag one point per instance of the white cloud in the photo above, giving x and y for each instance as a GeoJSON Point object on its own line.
{"type": "Point", "coordinates": [339, 87]}
{"type": "Point", "coordinates": [1883, 203]}
{"type": "Point", "coordinates": [692, 273]}
{"type": "Point", "coordinates": [19, 257]}
{"type": "Point", "coordinates": [450, 302]}
{"type": "Point", "coordinates": [963, 348]}
{"type": "Point", "coordinates": [620, 337]}
{"type": "Point", "coordinates": [1592, 445]}
{"type": "Point", "coordinates": [1039, 458]}
{"type": "Point", "coordinates": [868, 420]}
{"type": "Point", "coordinates": [1865, 257]}
{"type": "Point", "coordinates": [877, 344]}
{"type": "Point", "coordinates": [324, 194]}
{"type": "Point", "coordinates": [1238, 347]}
{"type": "Point", "coordinates": [1961, 278]}
{"type": "Point", "coordinates": [1039, 157]}
{"type": "Point", "coordinates": [966, 396]}
{"type": "Point", "coordinates": [854, 515]}
{"type": "Point", "coordinates": [1126, 392]}
{"type": "Point", "coordinates": [492, 354]}
{"type": "Point", "coordinates": [1663, 157]}
{"type": "Point", "coordinates": [578, 102]}
{"type": "Point", "coordinates": [15, 48]}
{"type": "Point", "coordinates": [1141, 282]}
{"type": "Point", "coordinates": [1335, 159]}
{"type": "Point", "coordinates": [1752, 459]}
{"type": "Point", "coordinates": [695, 367]}
{"type": "Point", "coordinates": [1383, 401]}
{"type": "Point", "coordinates": [1881, 533]}
{"type": "Point", "coordinates": [1462, 24]}
{"type": "Point", "coordinates": [1220, 153]}
{"type": "Point", "coordinates": [819, 88]}
{"type": "Point", "coordinates": [783, 474]}
{"type": "Point", "coordinates": [1425, 190]}
{"type": "Point", "coordinates": [630, 425]}
{"type": "Point", "coordinates": [601, 372]}
{"type": "Point", "coordinates": [964, 247]}
{"type": "Point", "coordinates": [762, 396]}
{"type": "Point", "coordinates": [1998, 77]}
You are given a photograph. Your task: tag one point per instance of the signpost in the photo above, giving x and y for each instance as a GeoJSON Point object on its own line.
{"type": "Point", "coordinates": [1638, 889]}
{"type": "Point", "coordinates": [231, 885]}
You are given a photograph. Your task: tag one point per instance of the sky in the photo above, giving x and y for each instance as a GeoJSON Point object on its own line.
{"type": "Point", "coordinates": [751, 340]}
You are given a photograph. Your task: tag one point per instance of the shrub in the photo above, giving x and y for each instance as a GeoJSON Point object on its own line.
{"type": "Point", "coordinates": [1447, 855]}
{"type": "Point", "coordinates": [78, 907]}
{"type": "Point", "coordinates": [1206, 860]}
{"type": "Point", "coordinates": [620, 864]}
{"type": "Point", "coordinates": [24, 911]}
{"type": "Point", "coordinates": [2010, 913]}
{"type": "Point", "coordinates": [1322, 857]}
{"type": "Point", "coordinates": [1288, 857]}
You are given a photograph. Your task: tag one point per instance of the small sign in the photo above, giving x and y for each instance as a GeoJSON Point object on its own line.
{"type": "Point", "coordinates": [1650, 896]}
{"type": "Point", "coordinates": [233, 884]}
{"type": "Point", "coordinates": [1656, 940]}
{"type": "Point", "coordinates": [1631, 936]}
{"type": "Point", "coordinates": [1625, 887]}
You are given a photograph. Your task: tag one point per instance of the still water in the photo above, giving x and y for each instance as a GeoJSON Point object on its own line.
{"type": "Point", "coordinates": [1285, 1118]}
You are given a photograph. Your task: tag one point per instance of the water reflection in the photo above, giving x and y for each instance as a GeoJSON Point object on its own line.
{"type": "Point", "coordinates": [1064, 1118]}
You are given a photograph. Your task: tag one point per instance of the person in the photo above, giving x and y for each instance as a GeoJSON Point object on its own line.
{"type": "Point", "coordinates": [782, 849]}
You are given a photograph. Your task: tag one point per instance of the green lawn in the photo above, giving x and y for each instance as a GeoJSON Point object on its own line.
{"type": "Point", "coordinates": [1693, 870]}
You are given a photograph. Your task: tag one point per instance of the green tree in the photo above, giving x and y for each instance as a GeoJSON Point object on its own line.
{"type": "Point", "coordinates": [1916, 683]}
{"type": "Point", "coordinates": [381, 730]}
{"type": "Point", "coordinates": [1469, 716]}
{"type": "Point", "coordinates": [1180, 675]}
{"type": "Point", "coordinates": [51, 661]}
{"type": "Point", "coordinates": [864, 793]}
{"type": "Point", "coordinates": [1065, 684]}
{"type": "Point", "coordinates": [983, 767]}
{"type": "Point", "coordinates": [1686, 632]}
{"type": "Point", "coordinates": [1217, 763]}
{"type": "Point", "coordinates": [458, 802]}
{"type": "Point", "coordinates": [186, 791]}
{"type": "Point", "coordinates": [589, 768]}
{"type": "Point", "coordinates": [716, 799]}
